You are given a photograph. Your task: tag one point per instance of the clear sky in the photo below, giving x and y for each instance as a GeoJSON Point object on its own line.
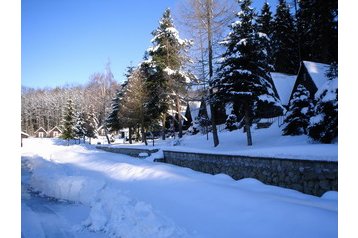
{"type": "Point", "coordinates": [65, 41]}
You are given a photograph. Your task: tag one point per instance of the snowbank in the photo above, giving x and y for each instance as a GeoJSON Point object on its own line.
{"type": "Point", "coordinates": [138, 198]}
{"type": "Point", "coordinates": [111, 210]}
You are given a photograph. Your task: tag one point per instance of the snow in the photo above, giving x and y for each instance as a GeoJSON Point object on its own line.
{"type": "Point", "coordinates": [317, 71]}
{"type": "Point", "coordinates": [194, 108]}
{"type": "Point", "coordinates": [330, 86]}
{"type": "Point", "coordinates": [25, 134]}
{"type": "Point", "coordinates": [138, 198]}
{"type": "Point", "coordinates": [267, 142]}
{"type": "Point", "coordinates": [284, 84]}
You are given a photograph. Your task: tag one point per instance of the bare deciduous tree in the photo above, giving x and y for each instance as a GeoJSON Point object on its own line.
{"type": "Point", "coordinates": [206, 20]}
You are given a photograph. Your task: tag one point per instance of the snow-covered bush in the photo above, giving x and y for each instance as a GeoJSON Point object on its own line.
{"type": "Point", "coordinates": [231, 122]}
{"type": "Point", "coordinates": [299, 113]}
{"type": "Point", "coordinates": [323, 125]}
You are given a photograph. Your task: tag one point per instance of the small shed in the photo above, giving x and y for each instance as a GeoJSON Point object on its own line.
{"type": "Point", "coordinates": [54, 132]}
{"type": "Point", "coordinates": [40, 133]}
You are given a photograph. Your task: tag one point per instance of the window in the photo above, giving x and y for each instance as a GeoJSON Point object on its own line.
{"type": "Point", "coordinates": [41, 134]}
{"type": "Point", "coordinates": [55, 134]}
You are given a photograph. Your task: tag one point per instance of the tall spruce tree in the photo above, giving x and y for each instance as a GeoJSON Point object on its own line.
{"type": "Point", "coordinates": [265, 20]}
{"type": "Point", "coordinates": [113, 121]}
{"type": "Point", "coordinates": [299, 113]}
{"type": "Point", "coordinates": [244, 76]}
{"type": "Point", "coordinates": [168, 52]}
{"type": "Point", "coordinates": [265, 24]}
{"type": "Point", "coordinates": [80, 126]}
{"type": "Point", "coordinates": [68, 121]}
{"type": "Point", "coordinates": [284, 40]}
{"type": "Point", "coordinates": [318, 30]}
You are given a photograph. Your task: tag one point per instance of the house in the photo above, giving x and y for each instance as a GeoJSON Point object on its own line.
{"type": "Point", "coordinates": [312, 76]}
{"type": "Point", "coordinates": [101, 130]}
{"type": "Point", "coordinates": [24, 135]}
{"type": "Point", "coordinates": [40, 133]}
{"type": "Point", "coordinates": [54, 132]}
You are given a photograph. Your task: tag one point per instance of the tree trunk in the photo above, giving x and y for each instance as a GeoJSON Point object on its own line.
{"type": "Point", "coordinates": [163, 127]}
{"type": "Point", "coordinates": [144, 136]}
{"type": "Point", "coordinates": [210, 55]}
{"type": "Point", "coordinates": [106, 133]}
{"type": "Point", "coordinates": [248, 128]}
{"type": "Point", "coordinates": [180, 126]}
{"type": "Point", "coordinates": [130, 135]}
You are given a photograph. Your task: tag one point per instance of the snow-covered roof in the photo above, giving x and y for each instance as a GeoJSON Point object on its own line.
{"type": "Point", "coordinates": [25, 134]}
{"type": "Point", "coordinates": [101, 127]}
{"type": "Point", "coordinates": [284, 84]}
{"type": "Point", "coordinates": [317, 72]}
{"type": "Point", "coordinates": [194, 107]}
{"type": "Point", "coordinates": [55, 128]}
{"type": "Point", "coordinates": [40, 129]}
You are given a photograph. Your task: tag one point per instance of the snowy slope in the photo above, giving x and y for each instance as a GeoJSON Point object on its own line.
{"type": "Point", "coordinates": [137, 198]}
{"type": "Point", "coordinates": [267, 142]}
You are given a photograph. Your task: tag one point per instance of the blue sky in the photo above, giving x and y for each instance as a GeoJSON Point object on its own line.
{"type": "Point", "coordinates": [65, 41]}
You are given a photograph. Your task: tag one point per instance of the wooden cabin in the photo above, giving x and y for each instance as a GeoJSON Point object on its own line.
{"type": "Point", "coordinates": [40, 133]}
{"type": "Point", "coordinates": [54, 132]}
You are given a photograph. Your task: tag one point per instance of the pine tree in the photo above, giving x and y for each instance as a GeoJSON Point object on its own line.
{"type": "Point", "coordinates": [244, 76]}
{"type": "Point", "coordinates": [265, 24]}
{"type": "Point", "coordinates": [80, 126]}
{"type": "Point", "coordinates": [91, 125]}
{"type": "Point", "coordinates": [168, 53]}
{"type": "Point", "coordinates": [323, 125]}
{"type": "Point", "coordinates": [284, 40]}
{"type": "Point", "coordinates": [298, 116]}
{"type": "Point", "coordinates": [231, 123]}
{"type": "Point", "coordinates": [68, 121]}
{"type": "Point", "coordinates": [265, 20]}
{"type": "Point", "coordinates": [202, 121]}
{"type": "Point", "coordinates": [318, 30]}
{"type": "Point", "coordinates": [112, 121]}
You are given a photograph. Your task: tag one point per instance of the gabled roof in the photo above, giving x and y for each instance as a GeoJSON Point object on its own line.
{"type": "Point", "coordinates": [100, 127]}
{"type": "Point", "coordinates": [284, 84]}
{"type": "Point", "coordinates": [40, 129]}
{"type": "Point", "coordinates": [317, 71]}
{"type": "Point", "coordinates": [55, 128]}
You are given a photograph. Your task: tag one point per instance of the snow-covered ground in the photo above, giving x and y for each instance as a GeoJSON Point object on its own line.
{"type": "Point", "coordinates": [130, 197]}
{"type": "Point", "coordinates": [267, 142]}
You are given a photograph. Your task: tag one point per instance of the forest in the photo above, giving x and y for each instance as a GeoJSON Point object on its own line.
{"type": "Point", "coordinates": [226, 60]}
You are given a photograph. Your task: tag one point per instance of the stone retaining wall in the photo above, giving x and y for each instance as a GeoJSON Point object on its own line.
{"type": "Point", "coordinates": [127, 151]}
{"type": "Point", "coordinates": [311, 177]}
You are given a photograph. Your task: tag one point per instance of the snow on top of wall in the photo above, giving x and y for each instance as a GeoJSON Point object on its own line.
{"type": "Point", "coordinates": [317, 71]}
{"type": "Point", "coordinates": [284, 84]}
